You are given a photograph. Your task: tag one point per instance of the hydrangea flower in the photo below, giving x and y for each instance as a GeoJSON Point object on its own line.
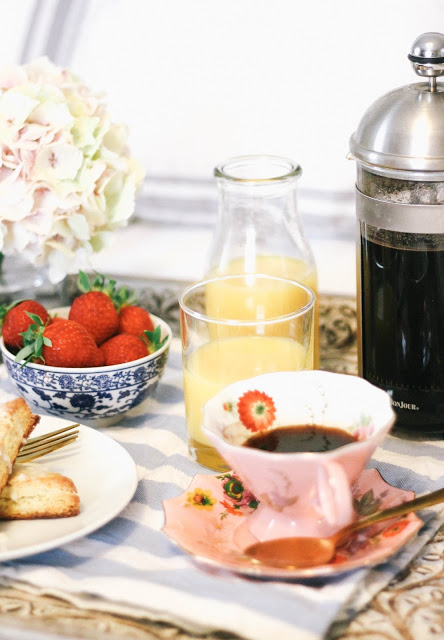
{"type": "Point", "coordinates": [66, 177]}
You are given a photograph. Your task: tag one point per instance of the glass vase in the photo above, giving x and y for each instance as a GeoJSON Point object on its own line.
{"type": "Point", "coordinates": [19, 280]}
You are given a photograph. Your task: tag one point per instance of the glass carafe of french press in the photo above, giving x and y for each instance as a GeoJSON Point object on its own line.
{"type": "Point", "coordinates": [399, 149]}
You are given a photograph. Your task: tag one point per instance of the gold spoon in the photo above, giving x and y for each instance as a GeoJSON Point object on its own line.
{"type": "Point", "coordinates": [301, 553]}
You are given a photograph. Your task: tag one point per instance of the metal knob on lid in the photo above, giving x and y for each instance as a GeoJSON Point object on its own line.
{"type": "Point", "coordinates": [427, 57]}
{"type": "Point", "coordinates": [402, 132]}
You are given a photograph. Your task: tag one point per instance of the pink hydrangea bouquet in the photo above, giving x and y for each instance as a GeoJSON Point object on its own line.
{"type": "Point", "coordinates": [66, 177]}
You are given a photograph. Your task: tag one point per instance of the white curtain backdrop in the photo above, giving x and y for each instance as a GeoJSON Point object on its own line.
{"type": "Point", "coordinates": [198, 81]}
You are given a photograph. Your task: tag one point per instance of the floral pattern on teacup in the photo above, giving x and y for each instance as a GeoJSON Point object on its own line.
{"type": "Point", "coordinates": [254, 410]}
{"type": "Point", "coordinates": [237, 492]}
{"type": "Point", "coordinates": [201, 499]}
{"type": "Point", "coordinates": [363, 428]}
{"type": "Point", "coordinates": [395, 528]}
{"type": "Point", "coordinates": [220, 540]}
{"type": "Point", "coordinates": [237, 500]}
{"type": "Point", "coordinates": [368, 503]}
{"type": "Point", "coordinates": [257, 410]}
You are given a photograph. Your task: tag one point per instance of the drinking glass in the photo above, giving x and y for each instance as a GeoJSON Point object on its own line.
{"type": "Point", "coordinates": [237, 327]}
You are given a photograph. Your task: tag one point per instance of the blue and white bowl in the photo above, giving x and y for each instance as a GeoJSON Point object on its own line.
{"type": "Point", "coordinates": [96, 396]}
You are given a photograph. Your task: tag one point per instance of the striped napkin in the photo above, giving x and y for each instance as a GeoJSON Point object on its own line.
{"type": "Point", "coordinates": [130, 567]}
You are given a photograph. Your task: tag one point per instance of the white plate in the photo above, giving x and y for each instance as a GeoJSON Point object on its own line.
{"type": "Point", "coordinates": [105, 476]}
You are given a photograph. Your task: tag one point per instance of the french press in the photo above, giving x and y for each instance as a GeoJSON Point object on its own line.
{"type": "Point", "coordinates": [399, 149]}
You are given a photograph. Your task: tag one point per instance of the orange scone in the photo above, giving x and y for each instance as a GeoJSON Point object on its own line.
{"type": "Point", "coordinates": [16, 423]}
{"type": "Point", "coordinates": [34, 492]}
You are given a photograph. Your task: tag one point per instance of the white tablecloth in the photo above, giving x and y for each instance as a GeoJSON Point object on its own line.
{"type": "Point", "coordinates": [129, 566]}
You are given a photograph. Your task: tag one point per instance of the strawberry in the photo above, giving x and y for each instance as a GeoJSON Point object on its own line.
{"type": "Point", "coordinates": [95, 309]}
{"type": "Point", "coordinates": [60, 344]}
{"type": "Point", "coordinates": [96, 312]}
{"type": "Point", "coordinates": [98, 359]}
{"type": "Point", "coordinates": [124, 347]}
{"type": "Point", "coordinates": [135, 320]}
{"type": "Point", "coordinates": [257, 411]}
{"type": "Point", "coordinates": [55, 319]}
{"type": "Point", "coordinates": [16, 321]}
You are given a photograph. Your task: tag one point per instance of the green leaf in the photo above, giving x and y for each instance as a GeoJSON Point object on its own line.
{"type": "Point", "coordinates": [109, 288]}
{"type": "Point", "coordinates": [98, 282]}
{"type": "Point", "coordinates": [154, 339]}
{"type": "Point", "coordinates": [3, 311]}
{"type": "Point", "coordinates": [39, 343]}
{"type": "Point", "coordinates": [33, 341]}
{"type": "Point", "coordinates": [35, 318]}
{"type": "Point", "coordinates": [120, 297]}
{"type": "Point", "coordinates": [368, 497]}
{"type": "Point", "coordinates": [24, 353]}
{"type": "Point", "coordinates": [367, 503]}
{"type": "Point", "coordinates": [83, 282]}
{"type": "Point", "coordinates": [124, 297]}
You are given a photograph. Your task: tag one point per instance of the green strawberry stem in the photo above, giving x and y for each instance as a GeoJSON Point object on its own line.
{"type": "Point", "coordinates": [98, 284]}
{"type": "Point", "coordinates": [33, 341]}
{"type": "Point", "coordinates": [124, 297]}
{"type": "Point", "coordinates": [120, 297]}
{"type": "Point", "coordinates": [154, 339]}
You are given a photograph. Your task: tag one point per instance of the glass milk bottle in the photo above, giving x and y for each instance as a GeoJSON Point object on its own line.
{"type": "Point", "coordinates": [258, 228]}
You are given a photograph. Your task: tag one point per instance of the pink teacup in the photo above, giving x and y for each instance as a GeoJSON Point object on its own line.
{"type": "Point", "coordinates": [300, 494]}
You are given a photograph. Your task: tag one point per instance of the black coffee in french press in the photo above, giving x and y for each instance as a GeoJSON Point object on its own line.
{"type": "Point", "coordinates": [399, 148]}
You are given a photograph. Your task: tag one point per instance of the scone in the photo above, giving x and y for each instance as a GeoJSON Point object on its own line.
{"type": "Point", "coordinates": [16, 423]}
{"type": "Point", "coordinates": [34, 492]}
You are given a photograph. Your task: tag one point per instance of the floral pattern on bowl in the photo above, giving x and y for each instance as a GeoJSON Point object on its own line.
{"type": "Point", "coordinates": [209, 521]}
{"type": "Point", "coordinates": [97, 396]}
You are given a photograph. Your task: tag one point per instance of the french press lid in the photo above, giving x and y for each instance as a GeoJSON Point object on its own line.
{"type": "Point", "coordinates": [403, 131]}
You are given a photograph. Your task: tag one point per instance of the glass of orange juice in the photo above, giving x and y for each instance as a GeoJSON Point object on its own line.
{"type": "Point", "coordinates": [237, 327]}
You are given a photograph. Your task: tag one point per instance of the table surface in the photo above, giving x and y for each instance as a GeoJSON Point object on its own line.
{"type": "Point", "coordinates": [411, 607]}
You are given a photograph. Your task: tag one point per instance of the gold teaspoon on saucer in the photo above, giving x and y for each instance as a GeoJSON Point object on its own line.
{"type": "Point", "coordinates": [302, 553]}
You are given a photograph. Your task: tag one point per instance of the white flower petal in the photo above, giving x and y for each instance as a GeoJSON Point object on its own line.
{"type": "Point", "coordinates": [120, 197]}
{"type": "Point", "coordinates": [83, 132]}
{"type": "Point", "coordinates": [15, 201]}
{"type": "Point", "coordinates": [52, 114]}
{"type": "Point", "coordinates": [101, 240]}
{"type": "Point", "coordinates": [43, 70]}
{"type": "Point", "coordinates": [8, 134]}
{"type": "Point", "coordinates": [116, 138]}
{"type": "Point", "coordinates": [62, 261]}
{"type": "Point", "coordinates": [78, 224]}
{"type": "Point", "coordinates": [57, 162]}
{"type": "Point", "coordinates": [17, 239]}
{"type": "Point", "coordinates": [139, 172]}
{"type": "Point", "coordinates": [15, 107]}
{"type": "Point", "coordinates": [11, 76]}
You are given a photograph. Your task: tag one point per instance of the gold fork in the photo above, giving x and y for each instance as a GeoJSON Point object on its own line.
{"type": "Point", "coordinates": [40, 446]}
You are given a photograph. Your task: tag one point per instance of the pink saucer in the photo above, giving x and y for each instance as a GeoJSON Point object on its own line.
{"type": "Point", "coordinates": [209, 519]}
